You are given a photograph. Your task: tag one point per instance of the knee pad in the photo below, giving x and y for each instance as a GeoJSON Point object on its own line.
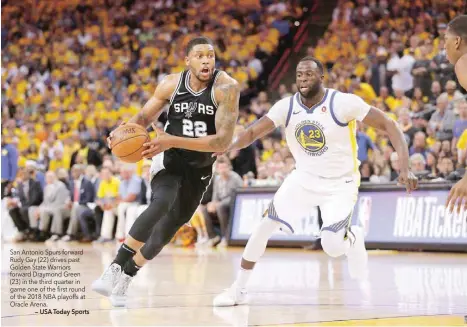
{"type": "Point", "coordinates": [334, 244]}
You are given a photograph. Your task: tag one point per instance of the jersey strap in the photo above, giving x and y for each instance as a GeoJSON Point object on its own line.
{"type": "Point", "coordinates": [333, 115]}
{"type": "Point", "coordinates": [214, 79]}
{"type": "Point", "coordinates": [177, 89]}
{"type": "Point", "coordinates": [290, 111]}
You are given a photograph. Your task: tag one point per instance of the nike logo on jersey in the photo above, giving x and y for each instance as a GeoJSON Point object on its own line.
{"type": "Point", "coordinates": [349, 181]}
{"type": "Point", "coordinates": [181, 93]}
{"type": "Point", "coordinates": [204, 177]}
{"type": "Point", "coordinates": [296, 112]}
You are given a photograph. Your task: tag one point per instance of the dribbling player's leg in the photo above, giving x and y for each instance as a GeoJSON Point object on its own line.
{"type": "Point", "coordinates": [254, 249]}
{"type": "Point", "coordinates": [338, 238]}
{"type": "Point", "coordinates": [165, 188]}
{"type": "Point", "coordinates": [161, 235]}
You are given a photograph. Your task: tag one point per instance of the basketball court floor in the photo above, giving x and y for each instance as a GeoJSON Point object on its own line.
{"type": "Point", "coordinates": [288, 288]}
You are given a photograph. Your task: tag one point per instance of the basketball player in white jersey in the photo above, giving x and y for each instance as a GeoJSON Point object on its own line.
{"type": "Point", "coordinates": [320, 129]}
{"type": "Point", "coordinates": [456, 52]}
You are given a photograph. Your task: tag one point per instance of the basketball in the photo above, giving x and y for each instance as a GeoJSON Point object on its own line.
{"type": "Point", "coordinates": [127, 142]}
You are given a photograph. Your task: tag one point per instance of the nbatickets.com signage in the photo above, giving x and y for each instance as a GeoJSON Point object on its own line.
{"type": "Point", "coordinates": [388, 217]}
{"type": "Point", "coordinates": [396, 217]}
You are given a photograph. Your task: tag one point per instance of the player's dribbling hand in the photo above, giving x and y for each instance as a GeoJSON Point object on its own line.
{"type": "Point", "coordinates": [408, 179]}
{"type": "Point", "coordinates": [458, 195]}
{"type": "Point", "coordinates": [158, 144]}
{"type": "Point", "coordinates": [109, 139]}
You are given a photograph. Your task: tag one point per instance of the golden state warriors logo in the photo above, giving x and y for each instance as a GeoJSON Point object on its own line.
{"type": "Point", "coordinates": [310, 136]}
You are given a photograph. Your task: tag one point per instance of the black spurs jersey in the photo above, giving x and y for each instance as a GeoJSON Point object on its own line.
{"type": "Point", "coordinates": [191, 114]}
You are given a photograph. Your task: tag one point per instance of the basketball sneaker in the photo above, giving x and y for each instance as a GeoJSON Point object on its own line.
{"type": "Point", "coordinates": [230, 297]}
{"type": "Point", "coordinates": [357, 256]}
{"type": "Point", "coordinates": [107, 282]}
{"type": "Point", "coordinates": [119, 293]}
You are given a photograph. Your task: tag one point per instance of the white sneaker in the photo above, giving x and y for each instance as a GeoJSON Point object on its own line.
{"type": "Point", "coordinates": [53, 238]}
{"type": "Point", "coordinates": [118, 296]}
{"type": "Point", "coordinates": [222, 244]}
{"type": "Point", "coordinates": [101, 240]}
{"type": "Point", "coordinates": [357, 256]}
{"type": "Point", "coordinates": [230, 297]}
{"type": "Point", "coordinates": [19, 237]}
{"type": "Point", "coordinates": [201, 240]}
{"type": "Point", "coordinates": [106, 283]}
{"type": "Point", "coordinates": [214, 241]}
{"type": "Point", "coordinates": [66, 238]}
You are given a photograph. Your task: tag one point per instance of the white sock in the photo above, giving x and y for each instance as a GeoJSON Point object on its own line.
{"type": "Point", "coordinates": [242, 278]}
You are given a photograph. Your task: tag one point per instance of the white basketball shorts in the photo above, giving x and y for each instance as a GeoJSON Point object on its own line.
{"type": "Point", "coordinates": [300, 192]}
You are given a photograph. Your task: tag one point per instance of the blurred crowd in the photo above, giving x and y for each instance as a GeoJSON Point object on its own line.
{"type": "Point", "coordinates": [74, 70]}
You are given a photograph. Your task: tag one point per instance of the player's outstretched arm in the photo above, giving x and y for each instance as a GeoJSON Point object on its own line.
{"type": "Point", "coordinates": [227, 93]}
{"type": "Point", "coordinates": [257, 130]}
{"type": "Point", "coordinates": [458, 196]}
{"type": "Point", "coordinates": [377, 119]}
{"type": "Point", "coordinates": [461, 71]}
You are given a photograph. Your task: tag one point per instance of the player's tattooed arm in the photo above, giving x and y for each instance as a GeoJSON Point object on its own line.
{"type": "Point", "coordinates": [153, 107]}
{"type": "Point", "coordinates": [378, 119]}
{"type": "Point", "coordinates": [227, 94]}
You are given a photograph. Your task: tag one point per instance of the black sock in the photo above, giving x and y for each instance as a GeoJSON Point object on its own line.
{"type": "Point", "coordinates": [124, 254]}
{"type": "Point", "coordinates": [131, 268]}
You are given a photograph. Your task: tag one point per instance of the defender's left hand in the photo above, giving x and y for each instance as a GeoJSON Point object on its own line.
{"type": "Point", "coordinates": [159, 144]}
{"type": "Point", "coordinates": [458, 196]}
{"type": "Point", "coordinates": [408, 179]}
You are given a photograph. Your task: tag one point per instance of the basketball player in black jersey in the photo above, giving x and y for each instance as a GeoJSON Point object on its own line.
{"type": "Point", "coordinates": [201, 119]}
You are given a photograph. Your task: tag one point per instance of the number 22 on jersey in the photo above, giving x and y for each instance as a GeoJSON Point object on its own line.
{"type": "Point", "coordinates": [194, 128]}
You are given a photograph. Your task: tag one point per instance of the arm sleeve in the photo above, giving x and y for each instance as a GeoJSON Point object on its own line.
{"type": "Point", "coordinates": [280, 111]}
{"type": "Point", "coordinates": [347, 107]}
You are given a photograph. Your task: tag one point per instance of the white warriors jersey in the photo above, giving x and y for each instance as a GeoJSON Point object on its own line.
{"type": "Point", "coordinates": [322, 139]}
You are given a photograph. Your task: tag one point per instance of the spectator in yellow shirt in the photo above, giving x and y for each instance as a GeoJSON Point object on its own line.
{"type": "Point", "coordinates": [59, 161]}
{"type": "Point", "coordinates": [363, 90]}
{"type": "Point", "coordinates": [462, 148]}
{"type": "Point", "coordinates": [107, 200]}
